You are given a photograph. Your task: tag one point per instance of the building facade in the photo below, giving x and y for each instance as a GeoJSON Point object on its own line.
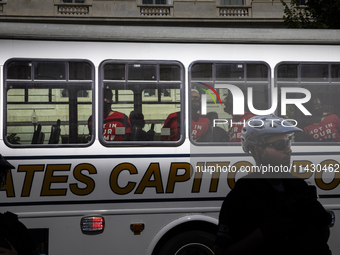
{"type": "Point", "coordinates": [216, 13]}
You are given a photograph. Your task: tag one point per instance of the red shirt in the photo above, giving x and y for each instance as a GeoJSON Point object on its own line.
{"type": "Point", "coordinates": [198, 128]}
{"type": "Point", "coordinates": [172, 122]}
{"type": "Point", "coordinates": [116, 125]}
{"type": "Point", "coordinates": [326, 131]}
{"type": "Point", "coordinates": [234, 132]}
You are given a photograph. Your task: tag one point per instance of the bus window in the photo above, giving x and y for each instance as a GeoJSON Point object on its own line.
{"type": "Point", "coordinates": [321, 80]}
{"type": "Point", "coordinates": [213, 88]}
{"type": "Point", "coordinates": [47, 102]}
{"type": "Point", "coordinates": [138, 97]}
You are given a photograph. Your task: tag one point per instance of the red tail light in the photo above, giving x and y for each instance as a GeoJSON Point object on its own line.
{"type": "Point", "coordinates": [92, 225]}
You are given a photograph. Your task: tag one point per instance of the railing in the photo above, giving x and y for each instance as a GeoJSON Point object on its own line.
{"type": "Point", "coordinates": [149, 11]}
{"type": "Point", "coordinates": [73, 9]}
{"type": "Point", "coordinates": [235, 11]}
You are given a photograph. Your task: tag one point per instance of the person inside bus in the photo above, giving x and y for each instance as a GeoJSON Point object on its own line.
{"type": "Point", "coordinates": [271, 212]}
{"type": "Point", "coordinates": [234, 131]}
{"type": "Point", "coordinates": [116, 126]}
{"type": "Point", "coordinates": [200, 125]}
{"type": "Point", "coordinates": [323, 126]}
{"type": "Point", "coordinates": [138, 123]}
{"type": "Point", "coordinates": [218, 134]}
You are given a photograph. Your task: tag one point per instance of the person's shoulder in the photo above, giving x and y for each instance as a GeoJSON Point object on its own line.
{"type": "Point", "coordinates": [203, 118]}
{"type": "Point", "coordinates": [116, 114]}
{"type": "Point", "coordinates": [243, 192]}
{"type": "Point", "coordinates": [171, 115]}
{"type": "Point", "coordinates": [331, 116]}
{"type": "Point", "coordinates": [247, 183]}
{"type": "Point", "coordinates": [295, 182]}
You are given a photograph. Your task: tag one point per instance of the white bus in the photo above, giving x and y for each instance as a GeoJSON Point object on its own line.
{"type": "Point", "coordinates": [84, 192]}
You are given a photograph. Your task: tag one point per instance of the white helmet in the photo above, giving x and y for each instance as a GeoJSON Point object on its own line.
{"type": "Point", "coordinates": [258, 128]}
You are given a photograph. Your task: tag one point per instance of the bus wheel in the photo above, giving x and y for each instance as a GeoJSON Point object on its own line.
{"type": "Point", "coordinates": [189, 243]}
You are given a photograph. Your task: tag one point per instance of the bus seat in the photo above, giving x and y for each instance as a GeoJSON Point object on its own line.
{"type": "Point", "coordinates": [55, 133]}
{"type": "Point", "coordinates": [38, 136]}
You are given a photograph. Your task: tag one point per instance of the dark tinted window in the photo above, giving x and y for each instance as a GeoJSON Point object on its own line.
{"type": "Point", "coordinates": [19, 70]}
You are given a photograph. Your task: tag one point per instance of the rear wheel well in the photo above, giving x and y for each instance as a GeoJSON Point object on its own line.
{"type": "Point", "coordinates": [187, 226]}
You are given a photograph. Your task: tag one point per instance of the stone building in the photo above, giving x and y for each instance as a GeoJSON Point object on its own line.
{"type": "Point", "coordinates": [214, 13]}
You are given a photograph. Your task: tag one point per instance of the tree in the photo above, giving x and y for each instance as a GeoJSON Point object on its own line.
{"type": "Point", "coordinates": [322, 14]}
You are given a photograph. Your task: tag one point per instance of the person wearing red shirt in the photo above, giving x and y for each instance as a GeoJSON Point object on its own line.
{"type": "Point", "coordinates": [199, 124]}
{"type": "Point", "coordinates": [234, 132]}
{"type": "Point", "coordinates": [116, 125]}
{"type": "Point", "coordinates": [325, 127]}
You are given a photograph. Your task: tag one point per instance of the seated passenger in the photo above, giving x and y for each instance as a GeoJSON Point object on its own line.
{"type": "Point", "coordinates": [218, 133]}
{"type": "Point", "coordinates": [323, 126]}
{"type": "Point", "coordinates": [200, 125]}
{"type": "Point", "coordinates": [234, 132]}
{"type": "Point", "coordinates": [116, 126]}
{"type": "Point", "coordinates": [138, 123]}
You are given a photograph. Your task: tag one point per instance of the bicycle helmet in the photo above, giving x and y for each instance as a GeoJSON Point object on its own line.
{"type": "Point", "coordinates": [257, 128]}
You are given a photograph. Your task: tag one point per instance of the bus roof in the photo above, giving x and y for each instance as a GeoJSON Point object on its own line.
{"type": "Point", "coordinates": [78, 32]}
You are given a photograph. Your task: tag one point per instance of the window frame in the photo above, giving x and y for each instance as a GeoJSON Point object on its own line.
{"type": "Point", "coordinates": [155, 4]}
{"type": "Point", "coordinates": [180, 83]}
{"type": "Point", "coordinates": [231, 4]}
{"type": "Point", "coordinates": [299, 82]}
{"type": "Point", "coordinates": [245, 82]}
{"type": "Point", "coordinates": [25, 83]}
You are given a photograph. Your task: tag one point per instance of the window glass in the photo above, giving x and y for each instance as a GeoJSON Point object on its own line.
{"type": "Point", "coordinates": [19, 70]}
{"type": "Point", "coordinates": [49, 112]}
{"type": "Point", "coordinates": [114, 72]}
{"type": "Point", "coordinates": [73, 1]}
{"type": "Point", "coordinates": [230, 72]}
{"type": "Point", "coordinates": [257, 72]}
{"type": "Point", "coordinates": [136, 109]}
{"type": "Point", "coordinates": [49, 71]}
{"type": "Point", "coordinates": [335, 70]}
{"type": "Point", "coordinates": [301, 2]}
{"type": "Point", "coordinates": [142, 72]}
{"type": "Point", "coordinates": [232, 2]}
{"type": "Point", "coordinates": [170, 73]}
{"type": "Point", "coordinates": [287, 72]}
{"type": "Point", "coordinates": [79, 71]}
{"type": "Point", "coordinates": [201, 71]}
{"type": "Point", "coordinates": [323, 125]}
{"type": "Point", "coordinates": [212, 111]}
{"type": "Point", "coordinates": [154, 2]}
{"type": "Point", "coordinates": [314, 72]}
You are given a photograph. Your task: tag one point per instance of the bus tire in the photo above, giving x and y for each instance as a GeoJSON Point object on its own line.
{"type": "Point", "coordinates": [190, 242]}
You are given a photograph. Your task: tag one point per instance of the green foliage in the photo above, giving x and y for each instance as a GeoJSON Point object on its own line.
{"type": "Point", "coordinates": [317, 14]}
